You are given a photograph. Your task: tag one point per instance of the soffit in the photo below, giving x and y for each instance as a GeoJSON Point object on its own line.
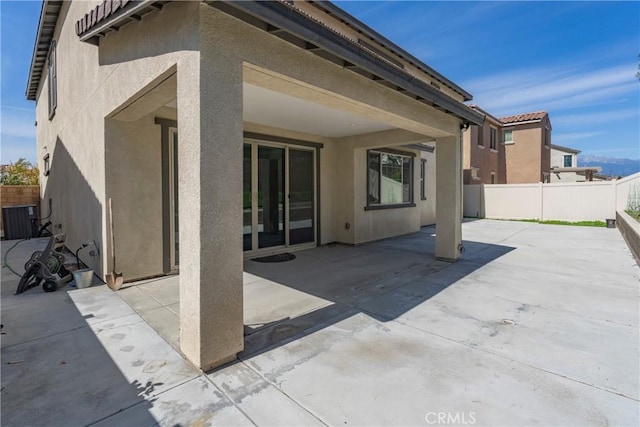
{"type": "Point", "coordinates": [46, 28]}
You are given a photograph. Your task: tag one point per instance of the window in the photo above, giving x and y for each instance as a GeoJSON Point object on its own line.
{"type": "Point", "coordinates": [547, 137]}
{"type": "Point", "coordinates": [493, 177]}
{"type": "Point", "coordinates": [423, 179]}
{"type": "Point", "coordinates": [480, 136]}
{"type": "Point", "coordinates": [53, 80]}
{"type": "Point", "coordinates": [508, 136]}
{"type": "Point", "coordinates": [567, 160]}
{"type": "Point", "coordinates": [493, 138]}
{"type": "Point", "coordinates": [390, 178]}
{"type": "Point", "coordinates": [475, 173]}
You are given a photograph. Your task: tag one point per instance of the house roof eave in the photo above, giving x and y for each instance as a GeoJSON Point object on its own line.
{"type": "Point", "coordinates": [49, 13]}
{"type": "Point", "coordinates": [288, 22]}
{"type": "Point", "coordinates": [348, 19]}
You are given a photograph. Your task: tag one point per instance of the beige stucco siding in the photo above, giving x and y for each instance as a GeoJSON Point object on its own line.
{"type": "Point", "coordinates": [93, 82]}
{"type": "Point", "coordinates": [97, 83]}
{"type": "Point", "coordinates": [524, 156]}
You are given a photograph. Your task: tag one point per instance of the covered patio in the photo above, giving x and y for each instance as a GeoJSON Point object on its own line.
{"type": "Point", "coordinates": [320, 285]}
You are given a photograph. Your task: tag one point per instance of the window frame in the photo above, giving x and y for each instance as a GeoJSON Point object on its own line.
{"type": "Point", "coordinates": [504, 139]}
{"type": "Point", "coordinates": [423, 179]}
{"type": "Point", "coordinates": [379, 206]}
{"type": "Point", "coordinates": [52, 80]}
{"type": "Point", "coordinates": [564, 160]}
{"type": "Point", "coordinates": [475, 173]}
{"type": "Point", "coordinates": [546, 137]}
{"type": "Point", "coordinates": [493, 138]}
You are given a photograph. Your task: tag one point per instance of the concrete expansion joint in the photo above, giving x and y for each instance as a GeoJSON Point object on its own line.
{"type": "Point", "coordinates": [537, 368]}
{"type": "Point", "coordinates": [229, 398]}
{"type": "Point", "coordinates": [279, 389]}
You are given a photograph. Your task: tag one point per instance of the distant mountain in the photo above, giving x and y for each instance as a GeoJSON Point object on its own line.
{"type": "Point", "coordinates": [611, 165]}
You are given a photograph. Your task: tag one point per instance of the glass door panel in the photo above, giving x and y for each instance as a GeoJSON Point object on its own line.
{"type": "Point", "coordinates": [301, 197]}
{"type": "Point", "coordinates": [247, 210]}
{"type": "Point", "coordinates": [271, 191]}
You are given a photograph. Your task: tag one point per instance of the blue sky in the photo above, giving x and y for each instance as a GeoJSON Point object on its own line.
{"type": "Point", "coordinates": [577, 60]}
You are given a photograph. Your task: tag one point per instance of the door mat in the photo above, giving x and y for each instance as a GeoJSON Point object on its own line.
{"type": "Point", "coordinates": [276, 258]}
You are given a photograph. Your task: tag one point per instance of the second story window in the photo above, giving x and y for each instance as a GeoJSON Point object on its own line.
{"type": "Point", "coordinates": [493, 144]}
{"type": "Point", "coordinates": [481, 136]}
{"type": "Point", "coordinates": [547, 137]}
{"type": "Point", "coordinates": [508, 136]}
{"type": "Point", "coordinates": [52, 80]}
{"type": "Point", "coordinates": [567, 161]}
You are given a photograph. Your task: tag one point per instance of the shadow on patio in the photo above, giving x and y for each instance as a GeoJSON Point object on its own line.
{"type": "Point", "coordinates": [322, 286]}
{"type": "Point", "coordinates": [325, 285]}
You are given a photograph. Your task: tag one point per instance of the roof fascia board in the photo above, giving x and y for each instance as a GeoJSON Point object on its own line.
{"type": "Point", "coordinates": [117, 18]}
{"type": "Point", "coordinates": [47, 7]}
{"type": "Point", "coordinates": [565, 149]}
{"type": "Point", "coordinates": [526, 122]}
{"type": "Point", "coordinates": [421, 147]}
{"type": "Point", "coordinates": [280, 15]}
{"type": "Point", "coordinates": [371, 33]}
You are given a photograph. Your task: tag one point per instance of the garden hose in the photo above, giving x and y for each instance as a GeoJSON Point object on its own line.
{"type": "Point", "coordinates": [4, 259]}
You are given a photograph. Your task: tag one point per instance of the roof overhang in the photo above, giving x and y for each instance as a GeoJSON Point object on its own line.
{"type": "Point", "coordinates": [422, 147]}
{"type": "Point", "coordinates": [111, 15]}
{"type": "Point", "coordinates": [46, 27]}
{"type": "Point", "coordinates": [565, 149]}
{"type": "Point", "coordinates": [285, 21]}
{"type": "Point", "coordinates": [347, 19]}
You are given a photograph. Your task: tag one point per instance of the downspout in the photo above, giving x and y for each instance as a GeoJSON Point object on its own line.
{"type": "Point", "coordinates": [463, 127]}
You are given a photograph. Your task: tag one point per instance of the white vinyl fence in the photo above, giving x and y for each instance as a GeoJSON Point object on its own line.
{"type": "Point", "coordinates": [575, 201]}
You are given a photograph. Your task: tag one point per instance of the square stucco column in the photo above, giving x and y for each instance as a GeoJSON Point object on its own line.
{"type": "Point", "coordinates": [448, 198]}
{"type": "Point", "coordinates": [210, 205]}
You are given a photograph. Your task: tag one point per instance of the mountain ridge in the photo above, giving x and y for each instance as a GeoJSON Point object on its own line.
{"type": "Point", "coordinates": [611, 166]}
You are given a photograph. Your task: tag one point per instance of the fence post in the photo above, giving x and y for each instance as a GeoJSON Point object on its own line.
{"type": "Point", "coordinates": [541, 201]}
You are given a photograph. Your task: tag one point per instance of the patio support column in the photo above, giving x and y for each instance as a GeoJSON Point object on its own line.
{"type": "Point", "coordinates": [210, 188]}
{"type": "Point", "coordinates": [448, 197]}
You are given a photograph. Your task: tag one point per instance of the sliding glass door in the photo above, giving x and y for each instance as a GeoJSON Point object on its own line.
{"type": "Point", "coordinates": [279, 196]}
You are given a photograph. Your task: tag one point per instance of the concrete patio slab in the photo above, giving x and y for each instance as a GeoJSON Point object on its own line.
{"type": "Point", "coordinates": [535, 325]}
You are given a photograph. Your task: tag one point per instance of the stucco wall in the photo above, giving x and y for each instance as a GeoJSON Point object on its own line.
{"type": "Point", "coordinates": [524, 156]}
{"type": "Point", "coordinates": [379, 224]}
{"type": "Point", "coordinates": [92, 82]}
{"type": "Point", "coordinates": [95, 83]}
{"type": "Point", "coordinates": [484, 158]}
{"type": "Point", "coordinates": [137, 194]}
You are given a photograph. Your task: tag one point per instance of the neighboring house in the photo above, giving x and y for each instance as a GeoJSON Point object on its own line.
{"type": "Point", "coordinates": [484, 152]}
{"type": "Point", "coordinates": [185, 114]}
{"type": "Point", "coordinates": [527, 141]}
{"type": "Point", "coordinates": [564, 166]}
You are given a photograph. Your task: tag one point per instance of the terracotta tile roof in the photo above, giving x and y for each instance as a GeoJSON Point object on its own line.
{"type": "Point", "coordinates": [524, 117]}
